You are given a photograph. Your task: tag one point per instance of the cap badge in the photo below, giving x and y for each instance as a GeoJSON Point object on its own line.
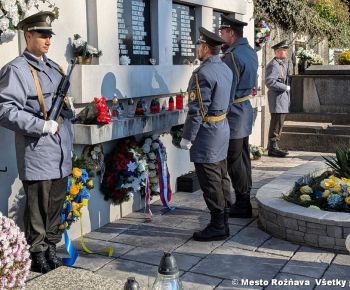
{"type": "Point", "coordinates": [48, 20]}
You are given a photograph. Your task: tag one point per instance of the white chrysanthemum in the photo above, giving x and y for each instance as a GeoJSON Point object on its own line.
{"type": "Point", "coordinates": [155, 136]}
{"type": "Point", "coordinates": [31, 3]}
{"type": "Point", "coordinates": [314, 207]}
{"type": "Point", "coordinates": [124, 60]}
{"type": "Point", "coordinates": [146, 148]}
{"type": "Point", "coordinates": [148, 141]}
{"type": "Point", "coordinates": [7, 36]}
{"type": "Point", "coordinates": [13, 14]}
{"type": "Point", "coordinates": [22, 5]}
{"type": "Point", "coordinates": [79, 42]}
{"type": "Point", "coordinates": [155, 145]}
{"type": "Point", "coordinates": [91, 49]}
{"type": "Point", "coordinates": [4, 24]}
{"type": "Point", "coordinates": [7, 4]}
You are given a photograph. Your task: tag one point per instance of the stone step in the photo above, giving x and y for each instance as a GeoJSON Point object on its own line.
{"type": "Point", "coordinates": [314, 142]}
{"type": "Point", "coordinates": [341, 119]}
{"type": "Point", "coordinates": [316, 128]}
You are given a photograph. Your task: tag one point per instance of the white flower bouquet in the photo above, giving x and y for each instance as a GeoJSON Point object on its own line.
{"type": "Point", "coordinates": [13, 11]}
{"type": "Point", "coordinates": [14, 255]}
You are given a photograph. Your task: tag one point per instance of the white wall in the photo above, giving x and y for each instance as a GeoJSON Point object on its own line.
{"type": "Point", "coordinates": [100, 28]}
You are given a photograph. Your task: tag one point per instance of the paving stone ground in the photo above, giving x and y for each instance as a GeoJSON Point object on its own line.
{"type": "Point", "coordinates": [248, 259]}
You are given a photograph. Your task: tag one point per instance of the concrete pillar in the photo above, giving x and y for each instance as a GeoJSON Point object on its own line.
{"type": "Point", "coordinates": [204, 17]}
{"type": "Point", "coordinates": [161, 19]}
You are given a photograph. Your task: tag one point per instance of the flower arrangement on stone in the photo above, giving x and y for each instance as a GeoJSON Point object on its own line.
{"type": "Point", "coordinates": [255, 152]}
{"type": "Point", "coordinates": [344, 58]}
{"type": "Point", "coordinates": [126, 172]}
{"type": "Point", "coordinates": [78, 194]}
{"type": "Point", "coordinates": [14, 255]}
{"type": "Point", "coordinates": [328, 191]}
{"type": "Point", "coordinates": [83, 49]}
{"type": "Point", "coordinates": [306, 58]}
{"type": "Point", "coordinates": [13, 11]}
{"type": "Point", "coordinates": [262, 34]}
{"type": "Point", "coordinates": [176, 134]}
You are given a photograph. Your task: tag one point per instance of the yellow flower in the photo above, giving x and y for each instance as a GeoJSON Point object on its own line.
{"type": "Point", "coordinates": [346, 181]}
{"type": "Point", "coordinates": [337, 188]}
{"type": "Point", "coordinates": [348, 189]}
{"type": "Point", "coordinates": [329, 183]}
{"type": "Point", "coordinates": [326, 193]}
{"type": "Point", "coordinates": [61, 226]}
{"type": "Point", "coordinates": [76, 172]}
{"type": "Point", "coordinates": [81, 185]}
{"type": "Point", "coordinates": [74, 189]}
{"type": "Point", "coordinates": [85, 201]}
{"type": "Point", "coordinates": [90, 184]}
{"type": "Point", "coordinates": [347, 200]}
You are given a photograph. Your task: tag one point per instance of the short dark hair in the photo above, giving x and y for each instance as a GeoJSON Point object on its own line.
{"type": "Point", "coordinates": [214, 50]}
{"type": "Point", "coordinates": [238, 32]}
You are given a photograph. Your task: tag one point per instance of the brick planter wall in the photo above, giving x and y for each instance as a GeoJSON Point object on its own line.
{"type": "Point", "coordinates": [298, 224]}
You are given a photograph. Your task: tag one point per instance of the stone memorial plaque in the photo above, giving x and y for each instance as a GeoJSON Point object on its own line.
{"type": "Point", "coordinates": [216, 21]}
{"type": "Point", "coordinates": [134, 31]}
{"type": "Point", "coordinates": [183, 31]}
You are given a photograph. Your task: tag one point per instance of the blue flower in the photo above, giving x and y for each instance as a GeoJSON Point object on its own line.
{"type": "Point", "coordinates": [84, 175]}
{"type": "Point", "coordinates": [318, 194]}
{"type": "Point", "coordinates": [334, 200]}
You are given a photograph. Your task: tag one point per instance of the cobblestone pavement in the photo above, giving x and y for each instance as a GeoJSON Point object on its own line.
{"type": "Point", "coordinates": [248, 259]}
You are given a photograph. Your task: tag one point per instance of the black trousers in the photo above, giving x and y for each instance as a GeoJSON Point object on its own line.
{"type": "Point", "coordinates": [239, 167]}
{"type": "Point", "coordinates": [276, 126]}
{"type": "Point", "coordinates": [42, 217]}
{"type": "Point", "coordinates": [215, 184]}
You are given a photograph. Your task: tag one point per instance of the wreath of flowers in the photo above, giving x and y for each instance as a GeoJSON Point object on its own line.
{"type": "Point", "coordinates": [150, 146]}
{"type": "Point", "coordinates": [326, 192]}
{"type": "Point", "coordinates": [262, 34]}
{"type": "Point", "coordinates": [13, 11]}
{"type": "Point", "coordinates": [126, 172]}
{"type": "Point", "coordinates": [14, 255]}
{"type": "Point", "coordinates": [255, 152]}
{"type": "Point", "coordinates": [78, 195]}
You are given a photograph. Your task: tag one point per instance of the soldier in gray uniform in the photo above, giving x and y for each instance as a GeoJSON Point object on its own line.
{"type": "Point", "coordinates": [242, 59]}
{"type": "Point", "coordinates": [278, 96]}
{"type": "Point", "coordinates": [206, 133]}
{"type": "Point", "coordinates": [43, 147]}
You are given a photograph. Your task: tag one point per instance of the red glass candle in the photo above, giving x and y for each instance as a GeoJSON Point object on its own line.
{"type": "Point", "coordinates": [179, 102]}
{"type": "Point", "coordinates": [171, 104]}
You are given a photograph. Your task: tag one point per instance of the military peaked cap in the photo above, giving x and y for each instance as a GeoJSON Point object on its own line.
{"type": "Point", "coordinates": [282, 44]}
{"type": "Point", "coordinates": [40, 22]}
{"type": "Point", "coordinates": [209, 37]}
{"type": "Point", "coordinates": [229, 21]}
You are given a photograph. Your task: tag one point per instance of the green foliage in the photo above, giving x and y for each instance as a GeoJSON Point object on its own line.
{"type": "Point", "coordinates": [341, 163]}
{"type": "Point", "coordinates": [319, 18]}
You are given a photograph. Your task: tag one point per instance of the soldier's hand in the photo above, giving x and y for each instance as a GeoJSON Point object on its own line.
{"type": "Point", "coordinates": [50, 127]}
{"type": "Point", "coordinates": [185, 144]}
{"type": "Point", "coordinates": [288, 88]}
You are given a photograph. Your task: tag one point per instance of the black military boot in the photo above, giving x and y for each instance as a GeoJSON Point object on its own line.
{"type": "Point", "coordinates": [214, 231]}
{"type": "Point", "coordinates": [51, 257]}
{"type": "Point", "coordinates": [242, 207]}
{"type": "Point", "coordinates": [274, 151]}
{"type": "Point", "coordinates": [280, 149]}
{"type": "Point", "coordinates": [39, 263]}
{"type": "Point", "coordinates": [226, 216]}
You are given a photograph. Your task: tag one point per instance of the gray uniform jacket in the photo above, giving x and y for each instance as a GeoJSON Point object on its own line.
{"type": "Point", "coordinates": [39, 156]}
{"type": "Point", "coordinates": [276, 77]}
{"type": "Point", "coordinates": [240, 116]}
{"type": "Point", "coordinates": [210, 140]}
